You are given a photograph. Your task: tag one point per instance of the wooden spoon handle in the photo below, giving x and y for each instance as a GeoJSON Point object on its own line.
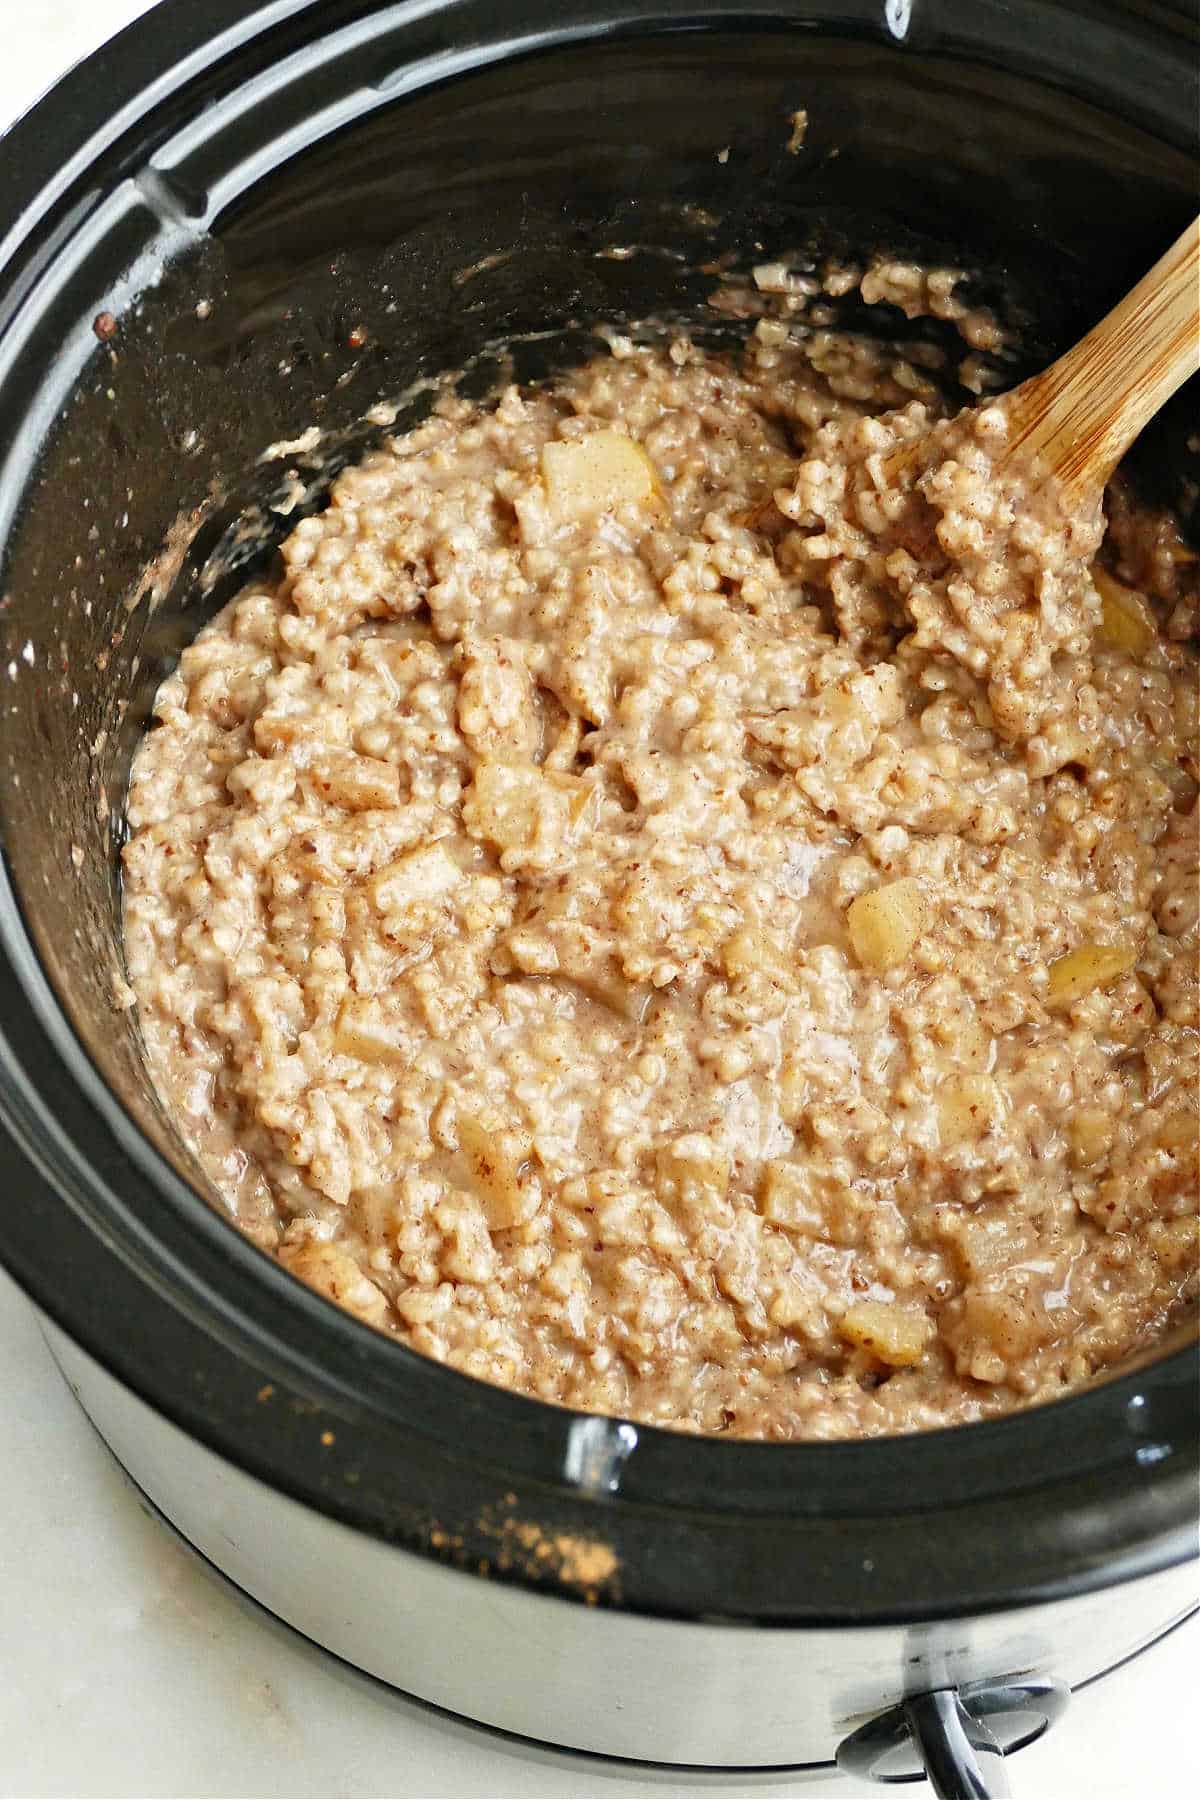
{"type": "Point", "coordinates": [1080, 416]}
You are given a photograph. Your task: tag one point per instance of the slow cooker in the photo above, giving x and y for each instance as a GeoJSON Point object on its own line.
{"type": "Point", "coordinates": [239, 243]}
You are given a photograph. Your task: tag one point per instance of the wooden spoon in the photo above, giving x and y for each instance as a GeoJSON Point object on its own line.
{"type": "Point", "coordinates": [1077, 419]}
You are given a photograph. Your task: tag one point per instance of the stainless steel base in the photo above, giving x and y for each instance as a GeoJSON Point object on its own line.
{"type": "Point", "coordinates": [589, 1678]}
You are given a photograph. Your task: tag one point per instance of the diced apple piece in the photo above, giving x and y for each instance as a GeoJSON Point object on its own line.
{"type": "Point", "coordinates": [332, 1273]}
{"type": "Point", "coordinates": [886, 923]}
{"type": "Point", "coordinates": [795, 1309]}
{"type": "Point", "coordinates": [327, 910]}
{"type": "Point", "coordinates": [897, 1335]}
{"type": "Point", "coordinates": [468, 1253]}
{"type": "Point", "coordinates": [288, 725]}
{"type": "Point", "coordinates": [1086, 967]}
{"type": "Point", "coordinates": [1126, 622]}
{"type": "Point", "coordinates": [497, 713]}
{"type": "Point", "coordinates": [586, 476]}
{"type": "Point", "coordinates": [1090, 1133]}
{"type": "Point", "coordinates": [752, 951]}
{"type": "Point", "coordinates": [363, 1032]}
{"type": "Point", "coordinates": [1004, 1325]}
{"type": "Point", "coordinates": [965, 1035]}
{"type": "Point", "coordinates": [424, 874]}
{"type": "Point", "coordinates": [604, 982]}
{"type": "Point", "coordinates": [585, 958]}
{"type": "Point", "coordinates": [967, 1107]}
{"type": "Point", "coordinates": [513, 804]}
{"type": "Point", "coordinates": [786, 1198]}
{"type": "Point", "coordinates": [359, 783]}
{"type": "Point", "coordinates": [496, 1168]}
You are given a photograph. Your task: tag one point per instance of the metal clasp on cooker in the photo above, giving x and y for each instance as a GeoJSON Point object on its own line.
{"type": "Point", "coordinates": [958, 1738]}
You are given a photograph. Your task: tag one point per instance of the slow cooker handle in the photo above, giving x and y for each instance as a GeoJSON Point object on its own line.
{"type": "Point", "coordinates": [962, 1759]}
{"type": "Point", "coordinates": [959, 1738]}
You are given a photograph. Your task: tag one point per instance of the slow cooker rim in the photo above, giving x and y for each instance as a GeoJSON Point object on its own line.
{"type": "Point", "coordinates": [127, 1151]}
{"type": "Point", "coordinates": [167, 48]}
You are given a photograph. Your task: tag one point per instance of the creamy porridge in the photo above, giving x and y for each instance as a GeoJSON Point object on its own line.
{"type": "Point", "coordinates": [657, 914]}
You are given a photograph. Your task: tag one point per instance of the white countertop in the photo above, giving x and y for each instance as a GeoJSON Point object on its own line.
{"type": "Point", "coordinates": [127, 1669]}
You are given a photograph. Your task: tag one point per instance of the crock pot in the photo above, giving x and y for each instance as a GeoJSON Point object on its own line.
{"type": "Point", "coordinates": [240, 242]}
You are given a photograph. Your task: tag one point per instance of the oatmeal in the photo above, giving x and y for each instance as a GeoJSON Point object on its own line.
{"type": "Point", "coordinates": [656, 914]}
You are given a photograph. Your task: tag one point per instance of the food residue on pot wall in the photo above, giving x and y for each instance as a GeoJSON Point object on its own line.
{"type": "Point", "coordinates": [541, 1553]}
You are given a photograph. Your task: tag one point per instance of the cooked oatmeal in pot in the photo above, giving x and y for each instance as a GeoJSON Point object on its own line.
{"type": "Point", "coordinates": [658, 914]}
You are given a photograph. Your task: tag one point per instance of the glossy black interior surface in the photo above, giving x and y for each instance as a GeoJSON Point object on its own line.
{"type": "Point", "coordinates": [296, 213]}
